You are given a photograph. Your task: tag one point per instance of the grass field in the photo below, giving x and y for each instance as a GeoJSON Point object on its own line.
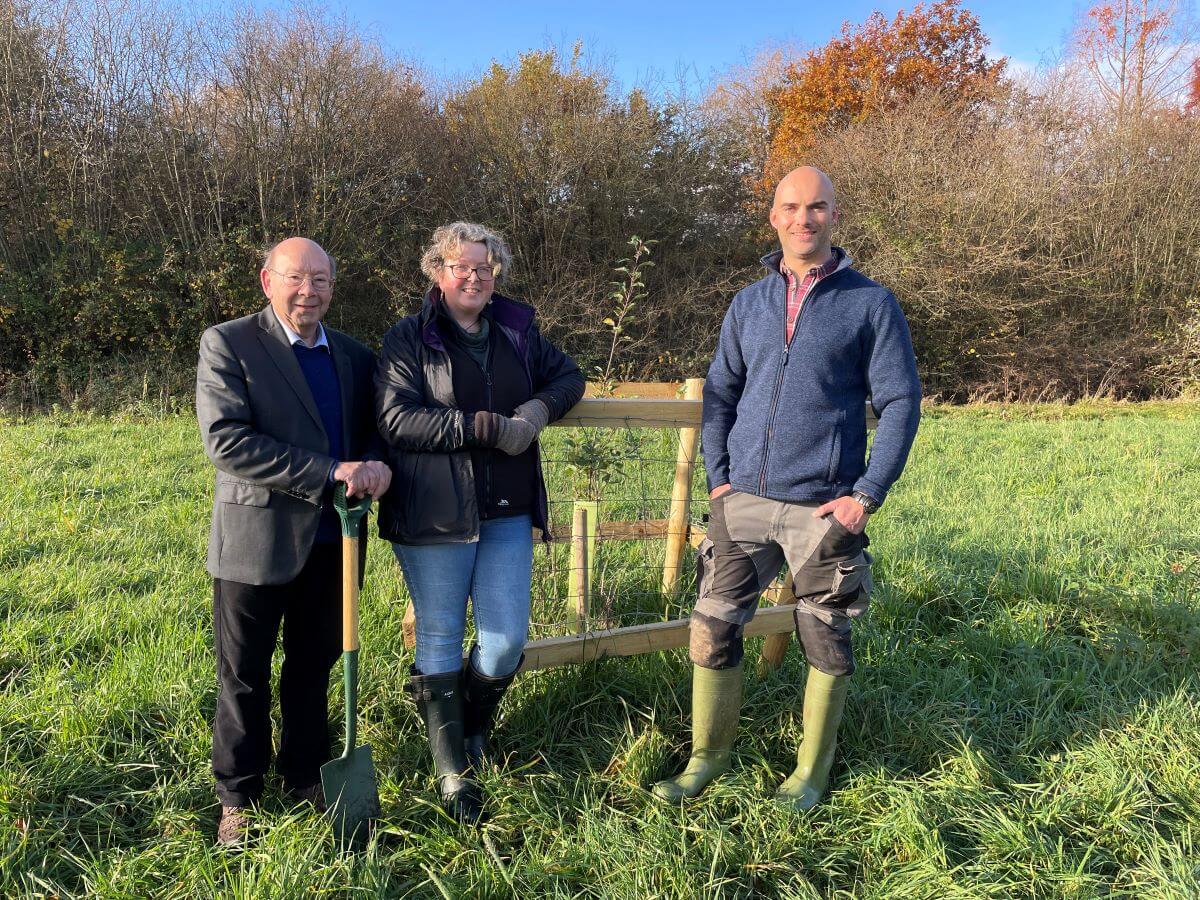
{"type": "Point", "coordinates": [1025, 721]}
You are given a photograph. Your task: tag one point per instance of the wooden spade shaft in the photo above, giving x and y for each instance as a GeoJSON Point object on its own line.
{"type": "Point", "coordinates": [349, 593]}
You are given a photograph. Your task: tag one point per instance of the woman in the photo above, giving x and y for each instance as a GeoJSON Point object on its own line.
{"type": "Point", "coordinates": [463, 388]}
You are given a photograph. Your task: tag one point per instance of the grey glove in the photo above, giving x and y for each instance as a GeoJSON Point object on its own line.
{"type": "Point", "coordinates": [519, 432]}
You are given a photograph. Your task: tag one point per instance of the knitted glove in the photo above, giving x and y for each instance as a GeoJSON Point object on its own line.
{"type": "Point", "coordinates": [519, 432]}
{"type": "Point", "coordinates": [486, 430]}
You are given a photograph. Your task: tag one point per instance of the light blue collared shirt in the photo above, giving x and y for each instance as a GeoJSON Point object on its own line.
{"type": "Point", "coordinates": [294, 338]}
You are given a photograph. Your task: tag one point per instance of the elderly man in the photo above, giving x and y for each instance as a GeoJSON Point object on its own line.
{"type": "Point", "coordinates": [785, 445]}
{"type": "Point", "coordinates": [286, 409]}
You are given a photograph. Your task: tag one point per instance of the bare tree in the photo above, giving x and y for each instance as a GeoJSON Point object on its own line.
{"type": "Point", "coordinates": [1138, 53]}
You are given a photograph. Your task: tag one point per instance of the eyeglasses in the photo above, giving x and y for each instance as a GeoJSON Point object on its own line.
{"type": "Point", "coordinates": [462, 270]}
{"type": "Point", "coordinates": [320, 283]}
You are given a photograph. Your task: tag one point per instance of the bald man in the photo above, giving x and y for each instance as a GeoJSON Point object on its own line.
{"type": "Point", "coordinates": [785, 446]}
{"type": "Point", "coordinates": [286, 410]}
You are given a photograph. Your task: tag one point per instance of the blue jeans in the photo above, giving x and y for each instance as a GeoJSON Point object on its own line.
{"type": "Point", "coordinates": [495, 572]}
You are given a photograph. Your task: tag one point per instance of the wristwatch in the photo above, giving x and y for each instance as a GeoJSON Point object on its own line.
{"type": "Point", "coordinates": [866, 501]}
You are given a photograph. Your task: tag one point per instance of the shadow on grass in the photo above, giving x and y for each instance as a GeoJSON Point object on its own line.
{"type": "Point", "coordinates": [970, 661]}
{"type": "Point", "coordinates": [1007, 667]}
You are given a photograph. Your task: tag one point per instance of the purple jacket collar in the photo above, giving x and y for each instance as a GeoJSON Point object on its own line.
{"type": "Point", "coordinates": [513, 317]}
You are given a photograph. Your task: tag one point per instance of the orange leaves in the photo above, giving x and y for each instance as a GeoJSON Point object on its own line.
{"type": "Point", "coordinates": [877, 65]}
{"type": "Point", "coordinates": [1193, 94]}
{"type": "Point", "coordinates": [1135, 51]}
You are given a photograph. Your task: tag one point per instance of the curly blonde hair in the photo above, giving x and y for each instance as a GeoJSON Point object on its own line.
{"type": "Point", "coordinates": [447, 243]}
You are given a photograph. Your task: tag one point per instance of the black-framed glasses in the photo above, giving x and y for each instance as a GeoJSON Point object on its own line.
{"type": "Point", "coordinates": [462, 270]}
{"type": "Point", "coordinates": [320, 283]}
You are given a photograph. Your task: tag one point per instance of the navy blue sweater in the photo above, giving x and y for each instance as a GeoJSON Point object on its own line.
{"type": "Point", "coordinates": [789, 421]}
{"type": "Point", "coordinates": [321, 375]}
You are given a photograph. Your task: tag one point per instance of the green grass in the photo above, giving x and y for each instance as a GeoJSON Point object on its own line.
{"type": "Point", "coordinates": [1025, 721]}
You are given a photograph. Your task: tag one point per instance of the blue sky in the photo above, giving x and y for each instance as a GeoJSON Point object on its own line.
{"type": "Point", "coordinates": [652, 42]}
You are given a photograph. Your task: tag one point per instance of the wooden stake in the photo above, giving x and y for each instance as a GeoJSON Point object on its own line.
{"type": "Point", "coordinates": [408, 628]}
{"type": "Point", "coordinates": [681, 494]}
{"type": "Point", "coordinates": [580, 585]}
{"type": "Point", "coordinates": [775, 646]}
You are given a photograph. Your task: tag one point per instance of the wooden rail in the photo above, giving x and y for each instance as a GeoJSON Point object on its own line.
{"type": "Point", "coordinates": [642, 390]}
{"type": "Point", "coordinates": [610, 412]}
{"type": "Point", "coordinates": [638, 639]}
{"type": "Point", "coordinates": [625, 412]}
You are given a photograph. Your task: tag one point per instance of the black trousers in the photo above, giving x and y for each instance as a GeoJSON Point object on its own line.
{"type": "Point", "coordinates": [246, 620]}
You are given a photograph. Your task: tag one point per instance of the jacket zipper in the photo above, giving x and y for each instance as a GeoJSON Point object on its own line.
{"type": "Point", "coordinates": [804, 304]}
{"type": "Point", "coordinates": [487, 466]}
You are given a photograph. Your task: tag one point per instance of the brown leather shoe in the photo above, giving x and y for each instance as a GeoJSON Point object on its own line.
{"type": "Point", "coordinates": [234, 827]}
{"type": "Point", "coordinates": [313, 794]}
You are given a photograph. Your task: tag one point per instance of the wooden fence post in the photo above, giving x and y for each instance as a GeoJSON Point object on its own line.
{"type": "Point", "coordinates": [408, 627]}
{"type": "Point", "coordinates": [580, 588]}
{"type": "Point", "coordinates": [774, 645]}
{"type": "Point", "coordinates": [681, 495]}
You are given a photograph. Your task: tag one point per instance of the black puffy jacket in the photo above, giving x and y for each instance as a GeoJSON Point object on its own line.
{"type": "Point", "coordinates": [432, 498]}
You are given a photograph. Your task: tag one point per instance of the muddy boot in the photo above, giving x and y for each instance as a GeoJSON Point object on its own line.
{"type": "Point", "coordinates": [824, 700]}
{"type": "Point", "coordinates": [481, 697]}
{"type": "Point", "coordinates": [716, 704]}
{"type": "Point", "coordinates": [439, 701]}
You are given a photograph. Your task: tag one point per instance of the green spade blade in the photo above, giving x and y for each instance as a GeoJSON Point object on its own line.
{"type": "Point", "coordinates": [351, 792]}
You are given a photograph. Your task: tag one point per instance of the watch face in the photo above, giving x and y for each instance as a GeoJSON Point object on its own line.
{"type": "Point", "coordinates": [867, 503]}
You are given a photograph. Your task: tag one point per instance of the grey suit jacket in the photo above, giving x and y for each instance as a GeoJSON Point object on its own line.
{"type": "Point", "coordinates": [263, 432]}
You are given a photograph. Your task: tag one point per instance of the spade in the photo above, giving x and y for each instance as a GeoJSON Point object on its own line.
{"type": "Point", "coordinates": [349, 781]}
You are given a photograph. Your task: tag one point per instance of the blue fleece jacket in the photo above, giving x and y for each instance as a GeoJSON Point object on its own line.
{"type": "Point", "coordinates": [788, 421]}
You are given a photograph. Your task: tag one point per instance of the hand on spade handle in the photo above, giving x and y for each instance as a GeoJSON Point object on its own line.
{"type": "Point", "coordinates": [370, 476]}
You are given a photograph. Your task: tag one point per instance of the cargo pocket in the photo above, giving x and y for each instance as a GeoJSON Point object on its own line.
{"type": "Point", "coordinates": [852, 585]}
{"type": "Point", "coordinates": [823, 618]}
{"type": "Point", "coordinates": [704, 568]}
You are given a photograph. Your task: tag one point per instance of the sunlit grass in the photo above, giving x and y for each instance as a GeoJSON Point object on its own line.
{"type": "Point", "coordinates": [1025, 721]}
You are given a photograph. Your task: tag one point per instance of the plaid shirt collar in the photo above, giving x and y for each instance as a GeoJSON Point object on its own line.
{"type": "Point", "coordinates": [817, 272]}
{"type": "Point", "coordinates": [798, 288]}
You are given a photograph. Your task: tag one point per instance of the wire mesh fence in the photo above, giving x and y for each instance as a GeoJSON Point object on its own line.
{"type": "Point", "coordinates": [615, 575]}
{"type": "Point", "coordinates": [631, 512]}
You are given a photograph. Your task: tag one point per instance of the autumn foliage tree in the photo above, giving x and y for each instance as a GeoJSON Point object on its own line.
{"type": "Point", "coordinates": [877, 66]}
{"type": "Point", "coordinates": [1193, 101]}
{"type": "Point", "coordinates": [1136, 53]}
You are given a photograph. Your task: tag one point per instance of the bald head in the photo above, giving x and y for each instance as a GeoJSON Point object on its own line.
{"type": "Point", "coordinates": [803, 215]}
{"type": "Point", "coordinates": [294, 245]}
{"type": "Point", "coordinates": [807, 180]}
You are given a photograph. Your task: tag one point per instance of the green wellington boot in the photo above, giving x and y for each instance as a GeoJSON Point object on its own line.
{"type": "Point", "coordinates": [824, 700]}
{"type": "Point", "coordinates": [716, 704]}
